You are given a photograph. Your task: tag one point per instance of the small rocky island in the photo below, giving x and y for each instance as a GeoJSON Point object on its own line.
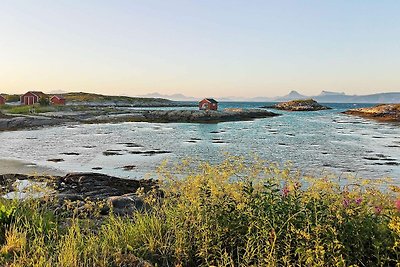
{"type": "Point", "coordinates": [299, 105]}
{"type": "Point", "coordinates": [383, 112]}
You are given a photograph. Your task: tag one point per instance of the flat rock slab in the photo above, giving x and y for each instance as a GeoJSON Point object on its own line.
{"type": "Point", "coordinates": [92, 186]}
{"type": "Point", "coordinates": [16, 123]}
{"type": "Point", "coordinates": [100, 186]}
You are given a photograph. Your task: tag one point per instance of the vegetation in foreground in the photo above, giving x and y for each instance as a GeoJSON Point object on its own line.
{"type": "Point", "coordinates": [228, 214]}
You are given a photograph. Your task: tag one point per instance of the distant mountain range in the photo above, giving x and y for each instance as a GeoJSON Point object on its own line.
{"type": "Point", "coordinates": [324, 97]}
{"type": "Point", "coordinates": [175, 97]}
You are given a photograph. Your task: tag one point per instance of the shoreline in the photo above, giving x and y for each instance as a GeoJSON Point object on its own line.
{"type": "Point", "coordinates": [14, 166]}
{"type": "Point", "coordinates": [17, 122]}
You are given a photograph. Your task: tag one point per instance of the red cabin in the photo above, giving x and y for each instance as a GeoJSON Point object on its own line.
{"type": "Point", "coordinates": [32, 97]}
{"type": "Point", "coordinates": [57, 100]}
{"type": "Point", "coordinates": [2, 100]}
{"type": "Point", "coordinates": [208, 104]}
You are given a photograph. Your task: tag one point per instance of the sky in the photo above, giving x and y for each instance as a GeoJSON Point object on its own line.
{"type": "Point", "coordinates": [210, 48]}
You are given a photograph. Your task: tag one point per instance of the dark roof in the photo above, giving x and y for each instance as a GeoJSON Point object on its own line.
{"type": "Point", "coordinates": [211, 100]}
{"type": "Point", "coordinates": [59, 97]}
{"type": "Point", "coordinates": [38, 93]}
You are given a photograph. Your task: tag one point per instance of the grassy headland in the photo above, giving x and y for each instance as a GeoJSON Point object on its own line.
{"type": "Point", "coordinates": [75, 97]}
{"type": "Point", "coordinates": [228, 214]}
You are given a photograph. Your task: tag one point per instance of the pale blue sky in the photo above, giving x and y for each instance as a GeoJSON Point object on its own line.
{"type": "Point", "coordinates": [214, 48]}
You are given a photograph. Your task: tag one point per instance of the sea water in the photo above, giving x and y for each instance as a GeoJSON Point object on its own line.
{"type": "Point", "coordinates": [314, 142]}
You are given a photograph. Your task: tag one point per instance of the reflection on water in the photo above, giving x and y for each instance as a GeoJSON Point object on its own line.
{"type": "Point", "coordinates": [312, 141]}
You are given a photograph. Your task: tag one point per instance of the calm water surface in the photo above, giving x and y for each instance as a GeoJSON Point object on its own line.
{"type": "Point", "coordinates": [313, 141]}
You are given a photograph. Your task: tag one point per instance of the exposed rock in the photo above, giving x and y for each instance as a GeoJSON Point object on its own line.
{"type": "Point", "coordinates": [202, 116]}
{"type": "Point", "coordinates": [299, 105]}
{"type": "Point", "coordinates": [90, 186]}
{"type": "Point", "coordinates": [99, 186]}
{"type": "Point", "coordinates": [102, 115]}
{"type": "Point", "coordinates": [130, 144]}
{"type": "Point", "coordinates": [129, 167]}
{"type": "Point", "coordinates": [97, 168]}
{"type": "Point", "coordinates": [10, 123]}
{"type": "Point", "coordinates": [126, 204]}
{"type": "Point", "coordinates": [55, 160]}
{"type": "Point", "coordinates": [150, 152]}
{"type": "Point", "coordinates": [111, 153]}
{"type": "Point", "coordinates": [384, 112]}
{"type": "Point", "coordinates": [3, 116]}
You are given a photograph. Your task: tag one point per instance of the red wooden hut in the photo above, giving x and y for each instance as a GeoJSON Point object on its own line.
{"type": "Point", "coordinates": [2, 100]}
{"type": "Point", "coordinates": [57, 100]}
{"type": "Point", "coordinates": [208, 104]}
{"type": "Point", "coordinates": [32, 97]}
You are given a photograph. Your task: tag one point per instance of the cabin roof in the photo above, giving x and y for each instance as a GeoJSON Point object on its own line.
{"type": "Point", "coordinates": [211, 100]}
{"type": "Point", "coordinates": [38, 93]}
{"type": "Point", "coordinates": [60, 97]}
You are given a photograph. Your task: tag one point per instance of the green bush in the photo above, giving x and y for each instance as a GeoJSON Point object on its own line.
{"type": "Point", "coordinates": [44, 101]}
{"type": "Point", "coordinates": [7, 212]}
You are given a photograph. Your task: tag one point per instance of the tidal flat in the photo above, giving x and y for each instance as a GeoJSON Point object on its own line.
{"type": "Point", "coordinates": [313, 142]}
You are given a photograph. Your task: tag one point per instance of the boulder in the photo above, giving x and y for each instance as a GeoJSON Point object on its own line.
{"type": "Point", "coordinates": [100, 186]}
{"type": "Point", "coordinates": [126, 204]}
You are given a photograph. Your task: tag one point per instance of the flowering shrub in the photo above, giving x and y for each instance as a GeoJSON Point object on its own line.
{"type": "Point", "coordinates": [237, 215]}
{"type": "Point", "coordinates": [229, 214]}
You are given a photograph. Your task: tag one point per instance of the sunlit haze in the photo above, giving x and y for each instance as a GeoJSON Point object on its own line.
{"type": "Point", "coordinates": [200, 48]}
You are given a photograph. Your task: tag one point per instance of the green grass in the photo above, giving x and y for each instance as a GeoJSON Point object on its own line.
{"type": "Point", "coordinates": [229, 214]}
{"type": "Point", "coordinates": [27, 109]}
{"type": "Point", "coordinates": [11, 109]}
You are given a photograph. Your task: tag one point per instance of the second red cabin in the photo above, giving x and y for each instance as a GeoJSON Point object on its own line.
{"type": "Point", "coordinates": [57, 100]}
{"type": "Point", "coordinates": [208, 104]}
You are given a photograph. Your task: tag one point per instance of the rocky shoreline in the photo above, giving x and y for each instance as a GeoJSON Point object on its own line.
{"type": "Point", "coordinates": [115, 193]}
{"type": "Point", "coordinates": [12, 123]}
{"type": "Point", "coordinates": [383, 112]}
{"type": "Point", "coordinates": [9, 122]}
{"type": "Point", "coordinates": [299, 105]}
{"type": "Point", "coordinates": [185, 116]}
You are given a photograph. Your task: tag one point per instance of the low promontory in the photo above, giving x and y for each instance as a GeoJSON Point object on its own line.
{"type": "Point", "coordinates": [383, 112]}
{"type": "Point", "coordinates": [93, 115]}
{"type": "Point", "coordinates": [195, 116]}
{"type": "Point", "coordinates": [299, 105]}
